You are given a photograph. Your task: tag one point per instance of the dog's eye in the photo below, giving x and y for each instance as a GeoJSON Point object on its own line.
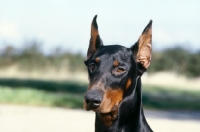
{"type": "Point", "coordinates": [92, 66]}
{"type": "Point", "coordinates": [120, 69]}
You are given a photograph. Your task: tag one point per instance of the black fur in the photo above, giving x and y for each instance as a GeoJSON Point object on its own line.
{"type": "Point", "coordinates": [130, 116]}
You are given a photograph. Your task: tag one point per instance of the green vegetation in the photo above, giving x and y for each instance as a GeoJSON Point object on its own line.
{"type": "Point", "coordinates": [177, 60]}
{"type": "Point", "coordinates": [50, 86]}
{"type": "Point", "coordinates": [44, 93]}
{"type": "Point", "coordinates": [31, 58]}
{"type": "Point", "coordinates": [71, 94]}
{"type": "Point", "coordinates": [156, 97]}
{"type": "Point", "coordinates": [29, 96]}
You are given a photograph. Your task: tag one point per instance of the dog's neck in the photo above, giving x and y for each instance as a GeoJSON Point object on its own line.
{"type": "Point", "coordinates": [129, 116]}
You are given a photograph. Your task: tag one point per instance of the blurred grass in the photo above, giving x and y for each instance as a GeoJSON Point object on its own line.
{"type": "Point", "coordinates": [70, 94]}
{"type": "Point", "coordinates": [47, 85]}
{"type": "Point", "coordinates": [157, 97]}
{"type": "Point", "coordinates": [29, 96]}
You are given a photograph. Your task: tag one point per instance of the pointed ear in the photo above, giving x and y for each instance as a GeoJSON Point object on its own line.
{"type": "Point", "coordinates": [95, 40]}
{"type": "Point", "coordinates": [143, 47]}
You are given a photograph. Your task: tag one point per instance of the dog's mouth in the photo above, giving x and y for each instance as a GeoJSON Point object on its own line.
{"type": "Point", "coordinates": [106, 111]}
{"type": "Point", "coordinates": [102, 110]}
{"type": "Point", "coordinates": [108, 117]}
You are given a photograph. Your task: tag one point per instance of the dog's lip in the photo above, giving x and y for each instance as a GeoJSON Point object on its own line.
{"type": "Point", "coordinates": [115, 108]}
{"type": "Point", "coordinates": [113, 114]}
{"type": "Point", "coordinates": [98, 110]}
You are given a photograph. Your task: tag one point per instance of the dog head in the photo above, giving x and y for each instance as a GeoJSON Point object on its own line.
{"type": "Point", "coordinates": [113, 68]}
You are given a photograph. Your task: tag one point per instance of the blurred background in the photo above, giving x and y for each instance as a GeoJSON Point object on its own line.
{"type": "Point", "coordinates": [43, 45]}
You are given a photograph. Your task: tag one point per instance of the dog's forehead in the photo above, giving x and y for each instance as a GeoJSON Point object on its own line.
{"type": "Point", "coordinates": [113, 51]}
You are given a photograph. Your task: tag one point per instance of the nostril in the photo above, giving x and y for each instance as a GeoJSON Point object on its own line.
{"type": "Point", "coordinates": [92, 103]}
{"type": "Point", "coordinates": [96, 102]}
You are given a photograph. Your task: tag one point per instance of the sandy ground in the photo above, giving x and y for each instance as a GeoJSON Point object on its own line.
{"type": "Point", "coordinates": [43, 119]}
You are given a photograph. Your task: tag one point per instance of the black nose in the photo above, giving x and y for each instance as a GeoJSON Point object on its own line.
{"type": "Point", "coordinates": [93, 99]}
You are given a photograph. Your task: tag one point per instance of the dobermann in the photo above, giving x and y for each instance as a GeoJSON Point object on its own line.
{"type": "Point", "coordinates": [114, 90]}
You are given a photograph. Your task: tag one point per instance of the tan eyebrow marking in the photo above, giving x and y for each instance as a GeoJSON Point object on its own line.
{"type": "Point", "coordinates": [97, 59]}
{"type": "Point", "coordinates": [116, 63]}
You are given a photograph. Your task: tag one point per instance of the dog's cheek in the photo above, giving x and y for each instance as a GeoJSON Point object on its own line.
{"type": "Point", "coordinates": [116, 96]}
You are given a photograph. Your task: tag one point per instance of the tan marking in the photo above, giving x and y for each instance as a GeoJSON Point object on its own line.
{"type": "Point", "coordinates": [116, 63]}
{"type": "Point", "coordinates": [128, 83]}
{"type": "Point", "coordinates": [97, 59]}
{"type": "Point", "coordinates": [111, 100]}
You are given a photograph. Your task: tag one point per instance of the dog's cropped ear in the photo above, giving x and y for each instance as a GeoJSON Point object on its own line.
{"type": "Point", "coordinates": [142, 48]}
{"type": "Point", "coordinates": [95, 40]}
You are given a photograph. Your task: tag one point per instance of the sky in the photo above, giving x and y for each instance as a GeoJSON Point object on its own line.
{"type": "Point", "coordinates": [66, 24]}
